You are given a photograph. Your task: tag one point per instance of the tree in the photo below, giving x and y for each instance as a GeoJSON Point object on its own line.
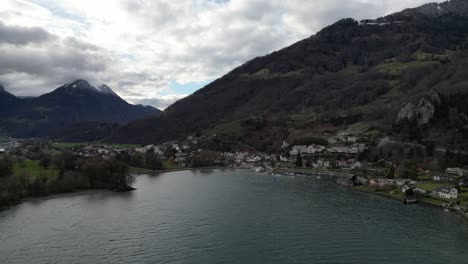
{"type": "Point", "coordinates": [409, 170]}
{"type": "Point", "coordinates": [65, 161]}
{"type": "Point", "coordinates": [119, 177]}
{"type": "Point", "coordinates": [95, 169]}
{"type": "Point", "coordinates": [205, 158]}
{"type": "Point", "coordinates": [6, 166]}
{"type": "Point", "coordinates": [170, 153]}
{"type": "Point", "coordinates": [152, 161]}
{"type": "Point", "coordinates": [45, 160]}
{"type": "Point", "coordinates": [299, 160]}
{"type": "Point", "coordinates": [21, 162]}
{"type": "Point", "coordinates": [430, 148]}
{"type": "Point", "coordinates": [391, 172]}
{"type": "Point", "coordinates": [123, 156]}
{"type": "Point", "coordinates": [109, 173]}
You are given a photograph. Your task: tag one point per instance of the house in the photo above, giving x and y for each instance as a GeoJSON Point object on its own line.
{"type": "Point", "coordinates": [312, 149]}
{"type": "Point", "coordinates": [381, 184]}
{"type": "Point", "coordinates": [456, 171]}
{"type": "Point", "coordinates": [344, 149]}
{"type": "Point", "coordinates": [342, 164]}
{"type": "Point", "coordinates": [405, 188]}
{"type": "Point", "coordinates": [253, 158]}
{"type": "Point", "coordinates": [298, 149]}
{"type": "Point", "coordinates": [463, 182]}
{"type": "Point", "coordinates": [420, 190]}
{"type": "Point", "coordinates": [401, 182]}
{"type": "Point", "coordinates": [2, 150]}
{"type": "Point", "coordinates": [351, 139]}
{"type": "Point", "coordinates": [441, 178]}
{"type": "Point", "coordinates": [446, 193]}
{"type": "Point", "coordinates": [357, 165]}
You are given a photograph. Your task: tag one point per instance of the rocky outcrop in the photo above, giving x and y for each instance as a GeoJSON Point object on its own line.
{"type": "Point", "coordinates": [420, 112]}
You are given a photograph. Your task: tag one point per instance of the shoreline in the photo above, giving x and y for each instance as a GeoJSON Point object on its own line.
{"type": "Point", "coordinates": [464, 216]}
{"type": "Point", "coordinates": [80, 192]}
{"type": "Point", "coordinates": [68, 194]}
{"type": "Point", "coordinates": [315, 172]}
{"type": "Point", "coordinates": [140, 171]}
{"type": "Point", "coordinates": [419, 203]}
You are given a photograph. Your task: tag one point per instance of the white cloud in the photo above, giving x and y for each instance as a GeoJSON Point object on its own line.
{"type": "Point", "coordinates": [139, 46]}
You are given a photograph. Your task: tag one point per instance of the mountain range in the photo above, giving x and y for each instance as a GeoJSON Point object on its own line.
{"type": "Point", "coordinates": [74, 104]}
{"type": "Point", "coordinates": [376, 76]}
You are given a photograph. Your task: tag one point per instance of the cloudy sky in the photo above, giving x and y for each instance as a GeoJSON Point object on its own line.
{"type": "Point", "coordinates": [155, 51]}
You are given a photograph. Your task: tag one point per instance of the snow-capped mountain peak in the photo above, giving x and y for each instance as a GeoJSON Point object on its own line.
{"type": "Point", "coordinates": [83, 85]}
{"type": "Point", "coordinates": [106, 90]}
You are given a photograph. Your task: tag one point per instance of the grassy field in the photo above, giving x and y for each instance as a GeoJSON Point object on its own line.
{"type": "Point", "coordinates": [463, 196]}
{"type": "Point", "coordinates": [430, 200]}
{"type": "Point", "coordinates": [169, 166]}
{"type": "Point", "coordinates": [166, 165]}
{"type": "Point", "coordinates": [398, 195]}
{"type": "Point", "coordinates": [33, 169]}
{"type": "Point", "coordinates": [135, 170]}
{"type": "Point", "coordinates": [397, 68]}
{"type": "Point", "coordinates": [430, 186]}
{"type": "Point", "coordinates": [393, 194]}
{"type": "Point", "coordinates": [425, 177]}
{"type": "Point", "coordinates": [231, 128]}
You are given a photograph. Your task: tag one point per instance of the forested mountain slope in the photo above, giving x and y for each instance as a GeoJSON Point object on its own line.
{"type": "Point", "coordinates": [351, 75]}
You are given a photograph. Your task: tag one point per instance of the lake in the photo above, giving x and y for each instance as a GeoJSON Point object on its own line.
{"type": "Point", "coordinates": [230, 216]}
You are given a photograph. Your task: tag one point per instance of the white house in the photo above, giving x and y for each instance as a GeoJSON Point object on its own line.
{"type": "Point", "coordinates": [357, 165]}
{"type": "Point", "coordinates": [253, 159]}
{"type": "Point", "coordinates": [405, 188]}
{"type": "Point", "coordinates": [439, 178]}
{"type": "Point", "coordinates": [420, 190]}
{"type": "Point", "coordinates": [2, 150]}
{"type": "Point", "coordinates": [298, 149]}
{"type": "Point", "coordinates": [312, 149]}
{"type": "Point", "coordinates": [344, 149]}
{"type": "Point", "coordinates": [446, 193]}
{"type": "Point", "coordinates": [456, 171]}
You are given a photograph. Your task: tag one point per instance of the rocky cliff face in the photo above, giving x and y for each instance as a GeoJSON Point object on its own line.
{"type": "Point", "coordinates": [420, 112]}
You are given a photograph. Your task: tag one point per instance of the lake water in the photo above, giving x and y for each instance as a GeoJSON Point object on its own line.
{"type": "Point", "coordinates": [237, 216]}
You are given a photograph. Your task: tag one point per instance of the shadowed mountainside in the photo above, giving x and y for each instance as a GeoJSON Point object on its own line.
{"type": "Point", "coordinates": [70, 104]}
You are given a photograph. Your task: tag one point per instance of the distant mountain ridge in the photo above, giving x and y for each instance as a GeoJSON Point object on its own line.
{"type": "Point", "coordinates": [351, 76]}
{"type": "Point", "coordinates": [454, 7]}
{"type": "Point", "coordinates": [70, 104]}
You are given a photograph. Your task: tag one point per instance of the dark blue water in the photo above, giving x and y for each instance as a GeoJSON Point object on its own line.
{"type": "Point", "coordinates": [230, 217]}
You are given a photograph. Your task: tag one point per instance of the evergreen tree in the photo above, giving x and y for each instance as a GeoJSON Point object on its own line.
{"type": "Point", "coordinates": [299, 160]}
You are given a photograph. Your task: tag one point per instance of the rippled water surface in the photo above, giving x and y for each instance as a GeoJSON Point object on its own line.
{"type": "Point", "coordinates": [230, 217]}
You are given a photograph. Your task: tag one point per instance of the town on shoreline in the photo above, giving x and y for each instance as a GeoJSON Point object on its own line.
{"type": "Point", "coordinates": [32, 167]}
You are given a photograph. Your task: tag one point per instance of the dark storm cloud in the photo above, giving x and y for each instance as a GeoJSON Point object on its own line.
{"type": "Point", "coordinates": [40, 61]}
{"type": "Point", "coordinates": [23, 35]}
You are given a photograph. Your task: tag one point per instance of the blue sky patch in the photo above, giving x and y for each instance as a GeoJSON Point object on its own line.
{"type": "Point", "coordinates": [187, 88]}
